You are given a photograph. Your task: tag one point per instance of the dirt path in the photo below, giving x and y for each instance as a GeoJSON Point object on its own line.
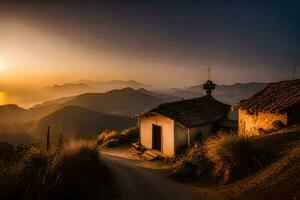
{"type": "Point", "coordinates": [137, 183]}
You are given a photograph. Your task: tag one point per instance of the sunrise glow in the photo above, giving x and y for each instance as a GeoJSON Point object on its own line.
{"type": "Point", "coordinates": [3, 65]}
{"type": "Point", "coordinates": [3, 98]}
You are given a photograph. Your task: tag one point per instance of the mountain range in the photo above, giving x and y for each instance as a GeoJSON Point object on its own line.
{"type": "Point", "coordinates": [230, 94]}
{"type": "Point", "coordinates": [77, 121]}
{"type": "Point", "coordinates": [126, 101]}
{"type": "Point", "coordinates": [88, 113]}
{"type": "Point", "coordinates": [82, 115]}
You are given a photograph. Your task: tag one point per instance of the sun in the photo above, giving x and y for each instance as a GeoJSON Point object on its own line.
{"type": "Point", "coordinates": [3, 65]}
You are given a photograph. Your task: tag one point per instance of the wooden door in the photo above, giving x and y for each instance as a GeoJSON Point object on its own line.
{"type": "Point", "coordinates": [156, 137]}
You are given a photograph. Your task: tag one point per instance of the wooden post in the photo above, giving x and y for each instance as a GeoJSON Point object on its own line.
{"type": "Point", "coordinates": [48, 139]}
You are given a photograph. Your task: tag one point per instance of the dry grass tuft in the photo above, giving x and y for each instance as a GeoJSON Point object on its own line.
{"type": "Point", "coordinates": [223, 158]}
{"type": "Point", "coordinates": [190, 166]}
{"type": "Point", "coordinates": [113, 138]}
{"type": "Point", "coordinates": [232, 156]}
{"type": "Point", "coordinates": [75, 172]}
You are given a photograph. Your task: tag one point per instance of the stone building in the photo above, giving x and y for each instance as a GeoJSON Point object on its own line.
{"type": "Point", "coordinates": [278, 103]}
{"type": "Point", "coordinates": [171, 127]}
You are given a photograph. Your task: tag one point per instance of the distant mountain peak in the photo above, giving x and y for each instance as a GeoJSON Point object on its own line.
{"type": "Point", "coordinates": [124, 90]}
{"type": "Point", "coordinates": [125, 101]}
{"type": "Point", "coordinates": [59, 86]}
{"type": "Point", "coordinates": [134, 81]}
{"type": "Point", "coordinates": [131, 81]}
{"type": "Point", "coordinates": [143, 90]}
{"type": "Point", "coordinates": [11, 107]}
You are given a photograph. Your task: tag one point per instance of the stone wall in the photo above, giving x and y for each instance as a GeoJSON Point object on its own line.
{"type": "Point", "coordinates": [255, 124]}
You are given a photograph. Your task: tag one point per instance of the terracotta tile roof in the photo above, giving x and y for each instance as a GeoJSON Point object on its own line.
{"type": "Point", "coordinates": [194, 112]}
{"type": "Point", "coordinates": [275, 98]}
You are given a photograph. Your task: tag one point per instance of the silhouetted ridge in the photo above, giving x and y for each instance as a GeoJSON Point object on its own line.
{"type": "Point", "coordinates": [126, 101]}
{"type": "Point", "coordinates": [78, 121]}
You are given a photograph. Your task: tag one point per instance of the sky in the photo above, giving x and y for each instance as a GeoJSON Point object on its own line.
{"type": "Point", "coordinates": [161, 43]}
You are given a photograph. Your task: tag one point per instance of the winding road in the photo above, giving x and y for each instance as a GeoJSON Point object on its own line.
{"type": "Point", "coordinates": [137, 183]}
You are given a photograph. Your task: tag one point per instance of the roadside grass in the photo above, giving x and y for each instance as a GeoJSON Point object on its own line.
{"type": "Point", "coordinates": [223, 158]}
{"type": "Point", "coordinates": [114, 138]}
{"type": "Point", "coordinates": [233, 167]}
{"type": "Point", "coordinates": [74, 172]}
{"type": "Point", "coordinates": [190, 166]}
{"type": "Point", "coordinates": [233, 157]}
{"type": "Point", "coordinates": [280, 180]}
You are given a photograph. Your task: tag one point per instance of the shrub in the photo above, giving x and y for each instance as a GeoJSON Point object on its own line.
{"type": "Point", "coordinates": [232, 156]}
{"type": "Point", "coordinates": [113, 138]}
{"type": "Point", "coordinates": [105, 135]}
{"type": "Point", "coordinates": [190, 166]}
{"type": "Point", "coordinates": [6, 151]}
{"type": "Point", "coordinates": [278, 125]}
{"type": "Point", "coordinates": [131, 133]}
{"type": "Point", "coordinates": [76, 172]}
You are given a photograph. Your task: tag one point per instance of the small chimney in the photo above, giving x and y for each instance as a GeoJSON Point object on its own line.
{"type": "Point", "coordinates": [209, 86]}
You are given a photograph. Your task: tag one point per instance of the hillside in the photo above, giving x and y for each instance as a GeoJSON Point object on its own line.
{"type": "Point", "coordinates": [125, 102]}
{"type": "Point", "coordinates": [15, 120]}
{"type": "Point", "coordinates": [12, 113]}
{"type": "Point", "coordinates": [276, 178]}
{"type": "Point", "coordinates": [52, 102]}
{"type": "Point", "coordinates": [16, 138]}
{"type": "Point", "coordinates": [10, 110]}
{"type": "Point", "coordinates": [77, 121]}
{"type": "Point", "coordinates": [280, 179]}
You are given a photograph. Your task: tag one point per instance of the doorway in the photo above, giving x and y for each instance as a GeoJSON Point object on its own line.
{"type": "Point", "coordinates": [156, 137]}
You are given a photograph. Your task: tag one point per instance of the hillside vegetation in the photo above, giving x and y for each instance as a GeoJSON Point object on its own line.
{"type": "Point", "coordinates": [278, 180]}
{"type": "Point", "coordinates": [74, 172]}
{"type": "Point", "coordinates": [263, 167]}
{"type": "Point", "coordinates": [223, 158]}
{"type": "Point", "coordinates": [113, 138]}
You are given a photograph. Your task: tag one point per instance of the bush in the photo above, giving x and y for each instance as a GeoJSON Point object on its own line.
{"type": "Point", "coordinates": [190, 166]}
{"type": "Point", "coordinates": [232, 156]}
{"type": "Point", "coordinates": [278, 125]}
{"type": "Point", "coordinates": [113, 138]}
{"type": "Point", "coordinates": [76, 172]}
{"type": "Point", "coordinates": [105, 136]}
{"type": "Point", "coordinates": [6, 151]}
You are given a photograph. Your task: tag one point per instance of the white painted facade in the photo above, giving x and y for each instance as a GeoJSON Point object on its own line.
{"type": "Point", "coordinates": [174, 136]}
